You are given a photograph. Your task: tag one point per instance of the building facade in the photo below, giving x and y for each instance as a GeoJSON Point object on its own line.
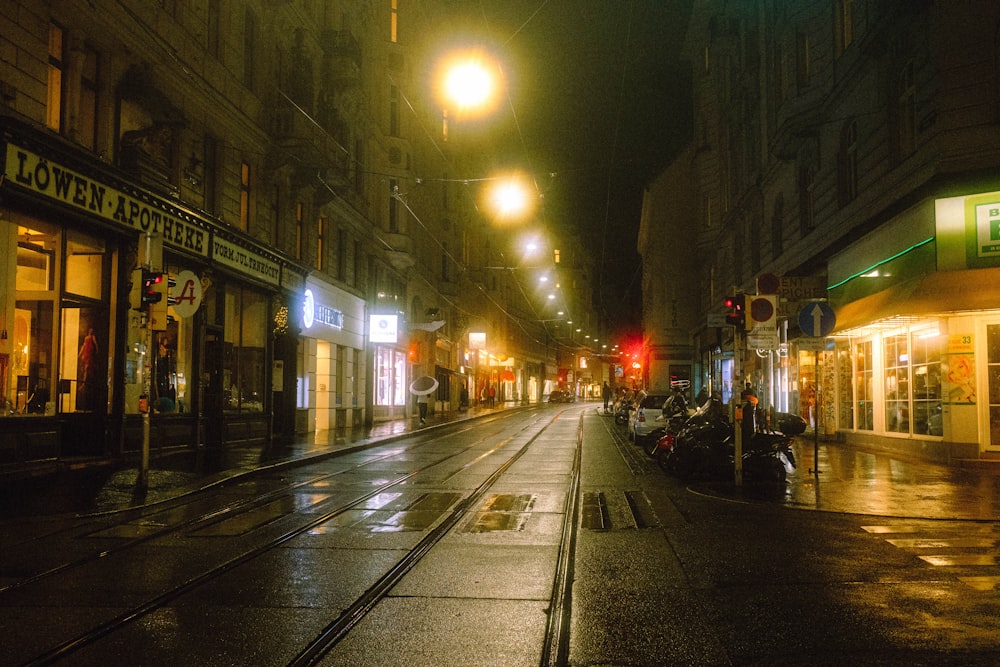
{"type": "Point", "coordinates": [847, 161]}
{"type": "Point", "coordinates": [286, 173]}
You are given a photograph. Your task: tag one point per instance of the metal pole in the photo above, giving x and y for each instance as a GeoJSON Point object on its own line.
{"type": "Point", "coordinates": [816, 413]}
{"type": "Point", "coordinates": [737, 423]}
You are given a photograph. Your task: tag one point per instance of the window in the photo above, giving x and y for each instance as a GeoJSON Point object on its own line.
{"type": "Point", "coordinates": [803, 69]}
{"type": "Point", "coordinates": [29, 386]}
{"type": "Point", "coordinates": [359, 162]}
{"type": "Point", "coordinates": [393, 20]}
{"type": "Point", "coordinates": [59, 338]}
{"type": "Point", "coordinates": [210, 170]}
{"type": "Point", "coordinates": [320, 249]}
{"type": "Point", "coordinates": [864, 399]}
{"type": "Point", "coordinates": [86, 120]}
{"type": "Point", "coordinates": [925, 363]}
{"type": "Point", "coordinates": [904, 121]}
{"type": "Point", "coordinates": [298, 230]}
{"type": "Point", "coordinates": [390, 365]}
{"type": "Point", "coordinates": [244, 196]}
{"type": "Point", "coordinates": [243, 367]}
{"type": "Point", "coordinates": [341, 254]}
{"type": "Point", "coordinates": [393, 206]}
{"type": "Point", "coordinates": [844, 25]}
{"type": "Point", "coordinates": [777, 226]}
{"type": "Point", "coordinates": [807, 200]}
{"type": "Point", "coordinates": [53, 109]}
{"type": "Point", "coordinates": [393, 111]}
{"type": "Point", "coordinates": [897, 384]}
{"type": "Point", "coordinates": [847, 189]}
{"type": "Point", "coordinates": [249, 47]}
{"type": "Point", "coordinates": [213, 31]}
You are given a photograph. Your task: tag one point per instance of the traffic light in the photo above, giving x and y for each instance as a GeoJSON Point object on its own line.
{"type": "Point", "coordinates": [151, 292]}
{"type": "Point", "coordinates": [736, 307]}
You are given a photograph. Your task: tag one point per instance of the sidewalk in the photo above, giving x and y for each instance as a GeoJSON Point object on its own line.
{"type": "Point", "coordinates": [101, 485]}
{"type": "Point", "coordinates": [848, 479]}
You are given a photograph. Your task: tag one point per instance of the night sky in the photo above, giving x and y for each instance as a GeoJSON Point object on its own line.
{"type": "Point", "coordinates": [598, 104]}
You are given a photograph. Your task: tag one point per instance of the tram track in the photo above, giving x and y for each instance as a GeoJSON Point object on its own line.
{"type": "Point", "coordinates": [340, 626]}
{"type": "Point", "coordinates": [218, 514]}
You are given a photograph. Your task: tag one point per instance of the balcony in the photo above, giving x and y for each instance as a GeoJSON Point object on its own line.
{"type": "Point", "coordinates": [309, 145]}
{"type": "Point", "coordinates": [400, 254]}
{"type": "Point", "coordinates": [341, 57]}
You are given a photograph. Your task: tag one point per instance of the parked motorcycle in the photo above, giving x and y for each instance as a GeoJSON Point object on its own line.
{"type": "Point", "coordinates": [705, 446]}
{"type": "Point", "coordinates": [674, 414]}
{"type": "Point", "coordinates": [623, 408]}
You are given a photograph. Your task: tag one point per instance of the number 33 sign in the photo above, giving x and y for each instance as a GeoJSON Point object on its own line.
{"type": "Point", "coordinates": [185, 295]}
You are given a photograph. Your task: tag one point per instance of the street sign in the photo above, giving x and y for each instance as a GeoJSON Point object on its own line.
{"type": "Point", "coordinates": [758, 339]}
{"type": "Point", "coordinates": [811, 344]}
{"type": "Point", "coordinates": [817, 319]}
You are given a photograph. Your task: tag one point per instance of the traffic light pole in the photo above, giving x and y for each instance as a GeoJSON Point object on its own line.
{"type": "Point", "coordinates": [739, 339]}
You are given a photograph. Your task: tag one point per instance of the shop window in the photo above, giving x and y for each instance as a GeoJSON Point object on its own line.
{"type": "Point", "coordinates": [28, 374]}
{"type": "Point", "coordinates": [897, 384]}
{"type": "Point", "coordinates": [845, 402]}
{"type": "Point", "coordinates": [864, 372]}
{"type": "Point", "coordinates": [926, 368]}
{"type": "Point", "coordinates": [243, 369]}
{"type": "Point", "coordinates": [31, 369]}
{"type": "Point", "coordinates": [84, 265]}
{"type": "Point", "coordinates": [82, 370]}
{"type": "Point", "coordinates": [390, 367]}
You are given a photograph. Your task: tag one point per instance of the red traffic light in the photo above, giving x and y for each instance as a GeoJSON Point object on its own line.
{"type": "Point", "coordinates": [151, 292]}
{"type": "Point", "coordinates": [736, 305]}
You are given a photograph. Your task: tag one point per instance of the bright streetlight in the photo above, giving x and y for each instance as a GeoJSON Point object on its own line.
{"type": "Point", "coordinates": [509, 198]}
{"type": "Point", "coordinates": [468, 82]}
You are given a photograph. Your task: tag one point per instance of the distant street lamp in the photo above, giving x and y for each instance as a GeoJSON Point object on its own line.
{"type": "Point", "coordinates": [509, 199]}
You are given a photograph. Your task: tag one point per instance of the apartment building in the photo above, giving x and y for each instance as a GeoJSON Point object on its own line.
{"type": "Point", "coordinates": [847, 154]}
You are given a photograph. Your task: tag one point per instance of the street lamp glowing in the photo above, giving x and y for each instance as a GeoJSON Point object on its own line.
{"type": "Point", "coordinates": [509, 198]}
{"type": "Point", "coordinates": [468, 82]}
{"type": "Point", "coordinates": [469, 85]}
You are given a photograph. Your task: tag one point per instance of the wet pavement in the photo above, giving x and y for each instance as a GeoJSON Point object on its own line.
{"type": "Point", "coordinates": [846, 479]}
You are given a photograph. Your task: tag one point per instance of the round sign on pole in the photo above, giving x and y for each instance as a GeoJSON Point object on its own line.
{"type": "Point", "coordinates": [817, 319]}
{"type": "Point", "coordinates": [768, 283]}
{"type": "Point", "coordinates": [186, 294]}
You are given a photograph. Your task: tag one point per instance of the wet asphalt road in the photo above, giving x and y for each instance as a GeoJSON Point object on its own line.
{"type": "Point", "coordinates": [897, 563]}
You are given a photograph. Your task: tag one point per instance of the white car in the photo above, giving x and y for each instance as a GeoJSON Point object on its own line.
{"type": "Point", "coordinates": [643, 420]}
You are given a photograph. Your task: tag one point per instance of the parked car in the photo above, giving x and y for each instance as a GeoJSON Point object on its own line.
{"type": "Point", "coordinates": [560, 396]}
{"type": "Point", "coordinates": [642, 423]}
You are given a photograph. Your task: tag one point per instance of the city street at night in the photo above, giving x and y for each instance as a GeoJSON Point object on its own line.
{"type": "Point", "coordinates": [519, 537]}
{"type": "Point", "coordinates": [499, 333]}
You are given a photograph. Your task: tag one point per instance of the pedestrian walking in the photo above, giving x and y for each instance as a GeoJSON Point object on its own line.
{"type": "Point", "coordinates": [606, 394]}
{"type": "Point", "coordinates": [492, 394]}
{"type": "Point", "coordinates": [422, 400]}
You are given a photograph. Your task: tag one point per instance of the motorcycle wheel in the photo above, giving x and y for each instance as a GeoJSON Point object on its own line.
{"type": "Point", "coordinates": [621, 419]}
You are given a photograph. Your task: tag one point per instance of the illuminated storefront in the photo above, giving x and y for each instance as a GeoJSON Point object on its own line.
{"type": "Point", "coordinates": [79, 361]}
{"type": "Point", "coordinates": [917, 346]}
{"type": "Point", "coordinates": [330, 364]}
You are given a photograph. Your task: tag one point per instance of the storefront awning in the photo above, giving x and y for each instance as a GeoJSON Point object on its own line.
{"type": "Point", "coordinates": [936, 293]}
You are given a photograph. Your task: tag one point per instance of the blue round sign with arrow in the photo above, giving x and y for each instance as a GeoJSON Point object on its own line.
{"type": "Point", "coordinates": [817, 319]}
